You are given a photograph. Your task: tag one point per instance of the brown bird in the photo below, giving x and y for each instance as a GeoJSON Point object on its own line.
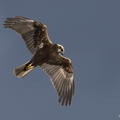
{"type": "Point", "coordinates": [44, 54]}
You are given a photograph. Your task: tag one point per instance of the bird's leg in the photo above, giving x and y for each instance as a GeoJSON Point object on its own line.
{"type": "Point", "coordinates": [30, 66]}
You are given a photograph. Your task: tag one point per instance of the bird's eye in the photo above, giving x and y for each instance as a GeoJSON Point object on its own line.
{"type": "Point", "coordinates": [61, 49]}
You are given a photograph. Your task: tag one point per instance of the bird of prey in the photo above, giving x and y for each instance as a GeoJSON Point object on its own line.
{"type": "Point", "coordinates": [44, 54]}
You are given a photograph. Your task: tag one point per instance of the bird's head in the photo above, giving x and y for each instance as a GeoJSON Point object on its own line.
{"type": "Point", "coordinates": [60, 49]}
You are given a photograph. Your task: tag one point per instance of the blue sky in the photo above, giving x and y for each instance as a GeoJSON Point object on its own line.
{"type": "Point", "coordinates": [89, 30]}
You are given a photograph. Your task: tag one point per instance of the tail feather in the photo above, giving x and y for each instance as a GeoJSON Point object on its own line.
{"type": "Point", "coordinates": [20, 71]}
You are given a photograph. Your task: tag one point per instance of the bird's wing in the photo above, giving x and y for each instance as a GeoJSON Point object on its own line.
{"type": "Point", "coordinates": [61, 73]}
{"type": "Point", "coordinates": [33, 33]}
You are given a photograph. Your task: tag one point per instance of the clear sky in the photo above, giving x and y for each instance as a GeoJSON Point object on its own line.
{"type": "Point", "coordinates": [89, 30]}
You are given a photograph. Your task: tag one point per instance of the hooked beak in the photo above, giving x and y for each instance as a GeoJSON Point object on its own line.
{"type": "Point", "coordinates": [62, 53]}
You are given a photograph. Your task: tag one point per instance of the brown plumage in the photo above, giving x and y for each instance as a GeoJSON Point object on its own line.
{"type": "Point", "coordinates": [46, 55]}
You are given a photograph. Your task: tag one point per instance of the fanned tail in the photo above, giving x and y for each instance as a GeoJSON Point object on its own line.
{"type": "Point", "coordinates": [23, 70]}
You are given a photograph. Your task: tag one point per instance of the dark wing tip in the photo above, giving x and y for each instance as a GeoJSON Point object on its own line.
{"type": "Point", "coordinates": [65, 100]}
{"type": "Point", "coordinates": [66, 91]}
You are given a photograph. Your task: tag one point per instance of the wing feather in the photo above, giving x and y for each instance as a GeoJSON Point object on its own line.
{"type": "Point", "coordinates": [60, 80]}
{"type": "Point", "coordinates": [33, 33]}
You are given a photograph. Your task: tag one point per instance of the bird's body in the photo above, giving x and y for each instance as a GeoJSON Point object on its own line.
{"type": "Point", "coordinates": [44, 54]}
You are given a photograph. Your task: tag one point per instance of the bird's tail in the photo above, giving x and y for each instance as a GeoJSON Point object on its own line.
{"type": "Point", "coordinates": [23, 70]}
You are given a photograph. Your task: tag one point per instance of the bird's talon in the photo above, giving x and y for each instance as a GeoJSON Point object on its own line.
{"type": "Point", "coordinates": [30, 66]}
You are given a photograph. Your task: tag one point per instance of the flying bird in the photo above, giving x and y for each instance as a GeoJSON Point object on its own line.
{"type": "Point", "coordinates": [44, 54]}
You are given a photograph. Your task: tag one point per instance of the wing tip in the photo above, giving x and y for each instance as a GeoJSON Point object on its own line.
{"type": "Point", "coordinates": [65, 101]}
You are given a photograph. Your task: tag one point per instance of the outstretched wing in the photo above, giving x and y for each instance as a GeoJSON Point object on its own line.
{"type": "Point", "coordinates": [61, 73]}
{"type": "Point", "coordinates": [33, 33]}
